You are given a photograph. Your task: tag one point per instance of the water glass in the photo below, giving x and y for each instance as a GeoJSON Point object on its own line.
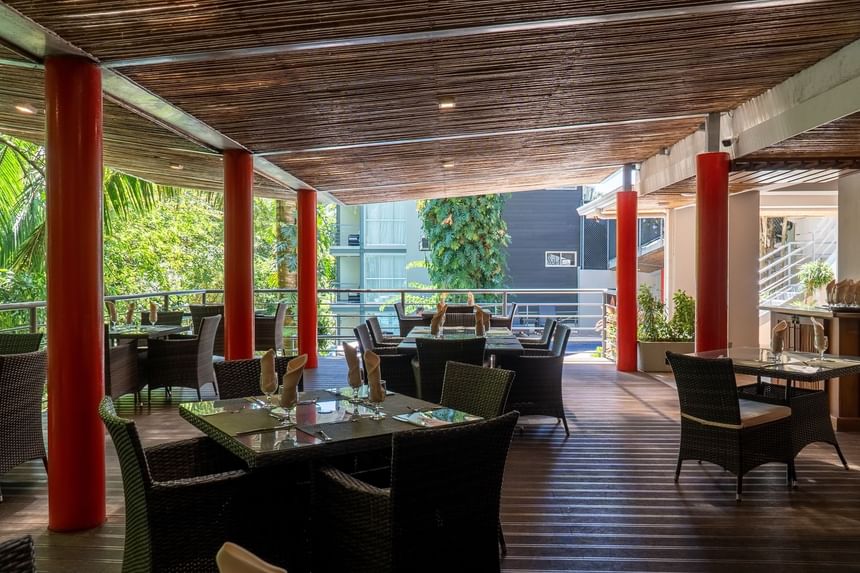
{"type": "Point", "coordinates": [377, 406]}
{"type": "Point", "coordinates": [821, 346]}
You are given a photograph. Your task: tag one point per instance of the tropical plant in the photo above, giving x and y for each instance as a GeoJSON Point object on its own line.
{"type": "Point", "coordinates": [654, 323]}
{"type": "Point", "coordinates": [467, 238]}
{"type": "Point", "coordinates": [682, 325]}
{"type": "Point", "coordinates": [814, 275]}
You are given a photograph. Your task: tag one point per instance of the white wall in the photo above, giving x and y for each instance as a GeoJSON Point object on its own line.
{"type": "Point", "coordinates": [849, 217]}
{"type": "Point", "coordinates": [743, 313]}
{"type": "Point", "coordinates": [681, 251]}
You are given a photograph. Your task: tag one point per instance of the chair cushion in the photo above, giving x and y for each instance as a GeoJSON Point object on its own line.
{"type": "Point", "coordinates": [757, 413]}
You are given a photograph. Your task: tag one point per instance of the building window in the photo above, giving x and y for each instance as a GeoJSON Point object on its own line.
{"type": "Point", "coordinates": [385, 225]}
{"type": "Point", "coordinates": [560, 259]}
{"type": "Point", "coordinates": [384, 271]}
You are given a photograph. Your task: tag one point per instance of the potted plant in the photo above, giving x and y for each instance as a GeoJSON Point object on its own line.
{"type": "Point", "coordinates": [659, 333]}
{"type": "Point", "coordinates": [815, 275]}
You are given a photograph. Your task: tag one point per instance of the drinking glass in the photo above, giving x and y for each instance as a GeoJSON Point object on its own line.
{"type": "Point", "coordinates": [268, 390]}
{"type": "Point", "coordinates": [821, 347]}
{"type": "Point", "coordinates": [289, 399]}
{"type": "Point", "coordinates": [377, 406]}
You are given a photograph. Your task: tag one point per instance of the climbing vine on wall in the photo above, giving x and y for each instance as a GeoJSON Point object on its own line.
{"type": "Point", "coordinates": [467, 238]}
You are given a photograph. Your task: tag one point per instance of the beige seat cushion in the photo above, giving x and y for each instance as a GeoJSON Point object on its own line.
{"type": "Point", "coordinates": [757, 413]}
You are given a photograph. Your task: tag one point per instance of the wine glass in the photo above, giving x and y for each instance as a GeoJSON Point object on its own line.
{"type": "Point", "coordinates": [289, 399]}
{"type": "Point", "coordinates": [821, 346]}
{"type": "Point", "coordinates": [268, 388]}
{"type": "Point", "coordinates": [441, 325]}
{"type": "Point", "coordinates": [377, 405]}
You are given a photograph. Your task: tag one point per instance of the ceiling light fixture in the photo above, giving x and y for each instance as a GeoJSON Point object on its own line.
{"type": "Point", "coordinates": [177, 166]}
{"type": "Point", "coordinates": [448, 164]}
{"type": "Point", "coordinates": [26, 108]}
{"type": "Point", "coordinates": [688, 194]}
{"type": "Point", "coordinates": [447, 102]}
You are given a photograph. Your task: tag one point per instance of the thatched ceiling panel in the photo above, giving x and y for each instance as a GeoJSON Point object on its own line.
{"type": "Point", "coordinates": [588, 74]}
{"type": "Point", "coordinates": [482, 165]}
{"type": "Point", "coordinates": [132, 144]}
{"type": "Point", "coordinates": [113, 29]}
{"type": "Point", "coordinates": [837, 139]}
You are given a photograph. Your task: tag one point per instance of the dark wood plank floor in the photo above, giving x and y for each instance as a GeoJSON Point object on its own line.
{"type": "Point", "coordinates": [601, 500]}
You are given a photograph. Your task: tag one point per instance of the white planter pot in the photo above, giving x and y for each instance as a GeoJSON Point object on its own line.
{"type": "Point", "coordinates": [652, 355]}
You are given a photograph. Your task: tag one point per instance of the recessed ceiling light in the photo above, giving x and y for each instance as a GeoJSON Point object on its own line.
{"type": "Point", "coordinates": [448, 164]}
{"type": "Point", "coordinates": [26, 108]}
{"type": "Point", "coordinates": [447, 102]}
{"type": "Point", "coordinates": [177, 166]}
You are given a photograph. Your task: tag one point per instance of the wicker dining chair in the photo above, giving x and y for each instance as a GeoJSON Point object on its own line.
{"type": "Point", "coordinates": [122, 368]}
{"type": "Point", "coordinates": [460, 309]}
{"type": "Point", "coordinates": [395, 368]}
{"type": "Point", "coordinates": [178, 498]}
{"type": "Point", "coordinates": [379, 337]}
{"type": "Point", "coordinates": [182, 360]}
{"type": "Point", "coordinates": [718, 427]}
{"type": "Point", "coordinates": [17, 555]}
{"type": "Point", "coordinates": [441, 506]}
{"type": "Point", "coordinates": [165, 317]}
{"type": "Point", "coordinates": [476, 390]}
{"type": "Point", "coordinates": [22, 379]}
{"type": "Point", "coordinates": [541, 343]}
{"type": "Point", "coordinates": [536, 390]}
{"type": "Point", "coordinates": [557, 345]}
{"type": "Point", "coordinates": [201, 311]}
{"type": "Point", "coordinates": [505, 321]}
{"type": "Point", "coordinates": [22, 343]}
{"type": "Point", "coordinates": [460, 319]}
{"type": "Point", "coordinates": [407, 322]}
{"type": "Point", "coordinates": [434, 354]}
{"type": "Point", "coordinates": [241, 378]}
{"type": "Point", "coordinates": [269, 330]}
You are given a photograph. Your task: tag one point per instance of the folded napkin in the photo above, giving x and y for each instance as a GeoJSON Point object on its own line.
{"type": "Point", "coordinates": [841, 292]}
{"type": "Point", "coordinates": [831, 292]}
{"type": "Point", "coordinates": [374, 377]}
{"type": "Point", "coordinates": [232, 558]}
{"type": "Point", "coordinates": [435, 323]}
{"type": "Point", "coordinates": [268, 375]}
{"type": "Point", "coordinates": [129, 313]}
{"type": "Point", "coordinates": [153, 313]}
{"type": "Point", "coordinates": [111, 306]}
{"type": "Point", "coordinates": [777, 337]}
{"type": "Point", "coordinates": [470, 299]}
{"type": "Point", "coordinates": [818, 333]}
{"type": "Point", "coordinates": [482, 321]}
{"type": "Point", "coordinates": [354, 366]}
{"type": "Point", "coordinates": [289, 389]}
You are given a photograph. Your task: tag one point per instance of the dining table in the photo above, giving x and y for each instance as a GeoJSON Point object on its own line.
{"type": "Point", "coordinates": [145, 331]}
{"type": "Point", "coordinates": [499, 340]}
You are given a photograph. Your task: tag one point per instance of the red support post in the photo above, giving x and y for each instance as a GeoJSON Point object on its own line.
{"type": "Point", "coordinates": [238, 254]}
{"type": "Point", "coordinates": [306, 207]}
{"type": "Point", "coordinates": [76, 440]}
{"type": "Point", "coordinates": [712, 250]}
{"type": "Point", "coordinates": [626, 274]}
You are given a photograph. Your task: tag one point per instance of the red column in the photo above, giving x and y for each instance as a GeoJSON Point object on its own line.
{"type": "Point", "coordinates": [238, 254]}
{"type": "Point", "coordinates": [625, 277]}
{"type": "Point", "coordinates": [76, 440]}
{"type": "Point", "coordinates": [306, 207]}
{"type": "Point", "coordinates": [712, 250]}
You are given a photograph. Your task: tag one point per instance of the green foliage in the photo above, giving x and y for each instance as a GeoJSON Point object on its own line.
{"type": "Point", "coordinates": [656, 326]}
{"type": "Point", "coordinates": [467, 238]}
{"type": "Point", "coordinates": [815, 274]}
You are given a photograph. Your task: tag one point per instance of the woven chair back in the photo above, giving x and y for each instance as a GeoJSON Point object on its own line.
{"type": "Point", "coordinates": [365, 342]}
{"type": "Point", "coordinates": [445, 492]}
{"type": "Point", "coordinates": [476, 390]}
{"type": "Point", "coordinates": [375, 329]}
{"type": "Point", "coordinates": [707, 389]}
{"type": "Point", "coordinates": [206, 340]}
{"type": "Point", "coordinates": [548, 329]}
{"type": "Point", "coordinates": [269, 330]}
{"type": "Point", "coordinates": [17, 555]}
{"type": "Point", "coordinates": [398, 308]}
{"type": "Point", "coordinates": [199, 312]}
{"type": "Point", "coordinates": [169, 318]}
{"type": "Point", "coordinates": [459, 319]}
{"type": "Point", "coordinates": [241, 378]}
{"type": "Point", "coordinates": [20, 343]}
{"type": "Point", "coordinates": [22, 379]}
{"type": "Point", "coordinates": [435, 353]}
{"type": "Point", "coordinates": [136, 480]}
{"type": "Point", "coordinates": [460, 309]}
{"type": "Point", "coordinates": [560, 336]}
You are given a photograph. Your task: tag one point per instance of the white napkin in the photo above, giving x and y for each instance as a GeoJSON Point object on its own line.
{"type": "Point", "coordinates": [289, 388]}
{"type": "Point", "coordinates": [268, 375]}
{"type": "Point", "coordinates": [129, 313]}
{"type": "Point", "coordinates": [374, 377]}
{"type": "Point", "coordinates": [818, 330]}
{"type": "Point", "coordinates": [777, 337]}
{"type": "Point", "coordinates": [111, 306]}
{"type": "Point", "coordinates": [153, 313]}
{"type": "Point", "coordinates": [232, 558]}
{"type": "Point", "coordinates": [354, 373]}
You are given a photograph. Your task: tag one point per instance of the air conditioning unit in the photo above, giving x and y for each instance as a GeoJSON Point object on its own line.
{"type": "Point", "coordinates": [353, 240]}
{"type": "Point", "coordinates": [424, 244]}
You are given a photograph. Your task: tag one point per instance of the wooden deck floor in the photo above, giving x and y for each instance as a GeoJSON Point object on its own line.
{"type": "Point", "coordinates": [601, 500]}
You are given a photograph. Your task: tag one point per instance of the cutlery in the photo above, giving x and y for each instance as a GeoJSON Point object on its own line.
{"type": "Point", "coordinates": [325, 437]}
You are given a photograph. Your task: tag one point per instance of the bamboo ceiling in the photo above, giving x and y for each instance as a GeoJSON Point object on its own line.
{"type": "Point", "coordinates": [295, 107]}
{"type": "Point", "coordinates": [837, 139]}
{"type": "Point", "coordinates": [132, 144]}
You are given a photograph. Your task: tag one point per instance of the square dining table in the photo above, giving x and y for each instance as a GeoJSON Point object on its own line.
{"type": "Point", "coordinates": [145, 331]}
{"type": "Point", "coordinates": [323, 424]}
{"type": "Point", "coordinates": [499, 340]}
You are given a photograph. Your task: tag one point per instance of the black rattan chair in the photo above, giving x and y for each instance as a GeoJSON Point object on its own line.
{"type": "Point", "coordinates": [166, 317]}
{"type": "Point", "coordinates": [269, 330]}
{"type": "Point", "coordinates": [506, 321]}
{"type": "Point", "coordinates": [541, 343]}
{"type": "Point", "coordinates": [201, 311]}
{"type": "Point", "coordinates": [183, 361]}
{"type": "Point", "coordinates": [122, 368]}
{"type": "Point", "coordinates": [442, 506]}
{"type": "Point", "coordinates": [17, 555]}
{"type": "Point", "coordinates": [241, 378]}
{"type": "Point", "coordinates": [22, 379]}
{"type": "Point", "coordinates": [718, 427]}
{"type": "Point", "coordinates": [20, 343]}
{"type": "Point", "coordinates": [408, 322]}
{"type": "Point", "coordinates": [536, 390]}
{"type": "Point", "coordinates": [378, 336]}
{"type": "Point", "coordinates": [434, 354]}
{"type": "Point", "coordinates": [460, 319]}
{"type": "Point", "coordinates": [476, 390]}
{"type": "Point", "coordinates": [395, 368]}
{"type": "Point", "coordinates": [178, 498]}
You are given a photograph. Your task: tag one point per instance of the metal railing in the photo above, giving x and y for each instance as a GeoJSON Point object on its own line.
{"type": "Point", "coordinates": [584, 310]}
